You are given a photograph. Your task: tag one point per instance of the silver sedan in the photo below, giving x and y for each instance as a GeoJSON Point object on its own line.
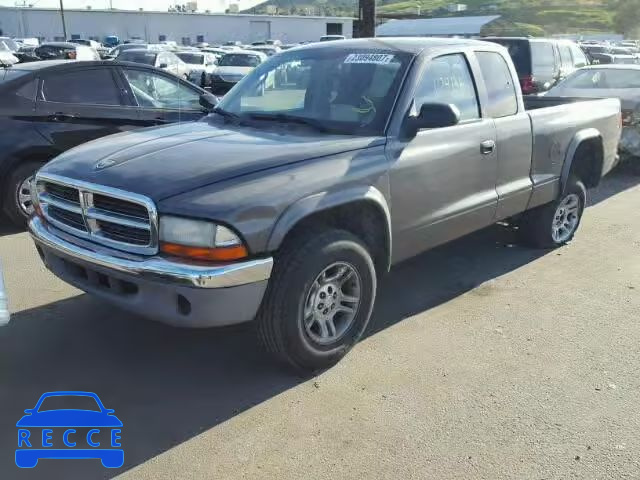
{"type": "Point", "coordinates": [609, 81]}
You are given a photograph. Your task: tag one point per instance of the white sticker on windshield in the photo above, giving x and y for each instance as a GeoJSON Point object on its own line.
{"type": "Point", "coordinates": [374, 58]}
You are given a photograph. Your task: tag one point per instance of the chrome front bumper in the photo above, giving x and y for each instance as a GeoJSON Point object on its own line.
{"type": "Point", "coordinates": [152, 268]}
{"type": "Point", "coordinates": [171, 291]}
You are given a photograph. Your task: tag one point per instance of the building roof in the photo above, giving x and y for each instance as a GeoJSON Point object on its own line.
{"type": "Point", "coordinates": [435, 26]}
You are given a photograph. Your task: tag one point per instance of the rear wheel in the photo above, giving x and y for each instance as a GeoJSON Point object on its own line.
{"type": "Point", "coordinates": [17, 204]}
{"type": "Point", "coordinates": [555, 224]}
{"type": "Point", "coordinates": [319, 299]}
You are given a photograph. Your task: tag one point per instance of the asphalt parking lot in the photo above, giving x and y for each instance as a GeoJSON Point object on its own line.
{"type": "Point", "coordinates": [484, 360]}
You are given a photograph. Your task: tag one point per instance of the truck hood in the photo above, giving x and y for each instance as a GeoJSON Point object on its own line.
{"type": "Point", "coordinates": [161, 162]}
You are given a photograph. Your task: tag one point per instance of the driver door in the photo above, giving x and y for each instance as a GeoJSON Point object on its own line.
{"type": "Point", "coordinates": [162, 98]}
{"type": "Point", "coordinates": [443, 180]}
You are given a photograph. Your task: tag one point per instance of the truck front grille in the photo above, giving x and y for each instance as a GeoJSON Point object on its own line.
{"type": "Point", "coordinates": [120, 206]}
{"type": "Point", "coordinates": [72, 219]}
{"type": "Point", "coordinates": [105, 215]}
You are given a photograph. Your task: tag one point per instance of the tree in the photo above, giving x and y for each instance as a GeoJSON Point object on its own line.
{"type": "Point", "coordinates": [627, 17]}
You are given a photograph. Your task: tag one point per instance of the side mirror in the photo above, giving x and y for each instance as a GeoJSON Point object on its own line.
{"type": "Point", "coordinates": [163, 65]}
{"type": "Point", "coordinates": [208, 101]}
{"type": "Point", "coordinates": [109, 411]}
{"type": "Point", "coordinates": [435, 115]}
{"type": "Point", "coordinates": [29, 411]}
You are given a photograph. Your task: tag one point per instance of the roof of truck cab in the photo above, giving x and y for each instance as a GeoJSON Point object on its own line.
{"type": "Point", "coordinates": [413, 45]}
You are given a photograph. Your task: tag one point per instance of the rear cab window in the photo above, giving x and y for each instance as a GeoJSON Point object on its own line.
{"type": "Point", "coordinates": [501, 92]}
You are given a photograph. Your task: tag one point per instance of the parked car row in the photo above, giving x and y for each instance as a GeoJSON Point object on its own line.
{"type": "Point", "coordinates": [610, 81]}
{"type": "Point", "coordinates": [606, 53]}
{"type": "Point", "coordinates": [51, 106]}
{"type": "Point", "coordinates": [541, 63]}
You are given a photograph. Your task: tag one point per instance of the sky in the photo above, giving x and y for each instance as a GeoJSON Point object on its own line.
{"type": "Point", "coordinates": [160, 5]}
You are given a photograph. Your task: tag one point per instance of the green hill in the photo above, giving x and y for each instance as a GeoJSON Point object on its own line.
{"type": "Point", "coordinates": [535, 17]}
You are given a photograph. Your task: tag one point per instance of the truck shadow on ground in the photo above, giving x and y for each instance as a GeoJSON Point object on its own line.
{"type": "Point", "coordinates": [7, 228]}
{"type": "Point", "coordinates": [168, 385]}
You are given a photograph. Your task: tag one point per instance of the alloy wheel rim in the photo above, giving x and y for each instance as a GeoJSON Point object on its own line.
{"type": "Point", "coordinates": [331, 303]}
{"type": "Point", "coordinates": [565, 218]}
{"type": "Point", "coordinates": [23, 197]}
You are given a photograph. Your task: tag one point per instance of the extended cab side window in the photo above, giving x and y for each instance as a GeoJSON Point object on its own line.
{"type": "Point", "coordinates": [447, 79]}
{"type": "Point", "coordinates": [501, 93]}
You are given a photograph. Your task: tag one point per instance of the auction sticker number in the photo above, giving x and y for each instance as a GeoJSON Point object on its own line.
{"type": "Point", "coordinates": [373, 58]}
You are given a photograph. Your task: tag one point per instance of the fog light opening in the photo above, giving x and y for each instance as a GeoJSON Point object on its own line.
{"type": "Point", "coordinates": [184, 305]}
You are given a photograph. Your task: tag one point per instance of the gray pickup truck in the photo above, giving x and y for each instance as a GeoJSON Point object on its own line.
{"type": "Point", "coordinates": [321, 169]}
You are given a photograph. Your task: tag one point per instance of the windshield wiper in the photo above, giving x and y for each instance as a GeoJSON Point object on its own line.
{"type": "Point", "coordinates": [284, 118]}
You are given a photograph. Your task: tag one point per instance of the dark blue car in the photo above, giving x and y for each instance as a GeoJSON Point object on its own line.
{"type": "Point", "coordinates": [36, 431]}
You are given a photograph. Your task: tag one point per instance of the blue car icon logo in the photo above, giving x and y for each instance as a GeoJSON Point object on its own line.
{"type": "Point", "coordinates": [91, 431]}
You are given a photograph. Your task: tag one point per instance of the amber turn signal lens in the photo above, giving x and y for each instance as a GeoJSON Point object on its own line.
{"type": "Point", "coordinates": [219, 254]}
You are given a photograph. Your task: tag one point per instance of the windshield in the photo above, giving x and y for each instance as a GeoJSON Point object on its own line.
{"type": "Point", "coordinates": [603, 79]}
{"type": "Point", "coordinates": [13, 46]}
{"type": "Point", "coordinates": [191, 58]}
{"type": "Point", "coordinates": [123, 48]}
{"type": "Point", "coordinates": [239, 60]}
{"type": "Point", "coordinates": [148, 58]}
{"type": "Point", "coordinates": [595, 49]}
{"type": "Point", "coordinates": [344, 90]}
{"type": "Point", "coordinates": [7, 74]}
{"type": "Point", "coordinates": [69, 402]}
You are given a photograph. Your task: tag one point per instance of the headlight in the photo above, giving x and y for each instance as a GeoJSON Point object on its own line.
{"type": "Point", "coordinates": [199, 239]}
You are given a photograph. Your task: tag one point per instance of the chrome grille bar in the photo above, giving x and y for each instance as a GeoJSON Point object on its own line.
{"type": "Point", "coordinates": [114, 229]}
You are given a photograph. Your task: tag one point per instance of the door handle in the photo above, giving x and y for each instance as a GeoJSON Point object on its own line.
{"type": "Point", "coordinates": [487, 147]}
{"type": "Point", "coordinates": [61, 117]}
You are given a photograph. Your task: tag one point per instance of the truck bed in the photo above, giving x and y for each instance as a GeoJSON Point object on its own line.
{"type": "Point", "coordinates": [555, 124]}
{"type": "Point", "coordinates": [533, 102]}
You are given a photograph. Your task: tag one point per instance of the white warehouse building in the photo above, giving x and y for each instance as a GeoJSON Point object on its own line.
{"type": "Point", "coordinates": [153, 27]}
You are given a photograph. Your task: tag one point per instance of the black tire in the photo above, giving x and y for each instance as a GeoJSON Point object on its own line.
{"type": "Point", "coordinates": [536, 225]}
{"type": "Point", "coordinates": [10, 203]}
{"type": "Point", "coordinates": [300, 261]}
{"type": "Point", "coordinates": [203, 80]}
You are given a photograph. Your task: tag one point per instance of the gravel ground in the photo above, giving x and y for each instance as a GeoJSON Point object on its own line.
{"type": "Point", "coordinates": [485, 360]}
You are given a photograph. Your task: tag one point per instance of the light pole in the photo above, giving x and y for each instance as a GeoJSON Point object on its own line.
{"type": "Point", "coordinates": [367, 16]}
{"type": "Point", "coordinates": [64, 25]}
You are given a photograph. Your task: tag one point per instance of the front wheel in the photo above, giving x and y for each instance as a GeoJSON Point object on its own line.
{"type": "Point", "coordinates": [319, 299]}
{"type": "Point", "coordinates": [17, 202]}
{"type": "Point", "coordinates": [555, 224]}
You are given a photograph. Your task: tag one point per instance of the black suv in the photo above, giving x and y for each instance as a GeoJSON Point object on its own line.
{"type": "Point", "coordinates": [541, 62]}
{"type": "Point", "coordinates": [51, 106]}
